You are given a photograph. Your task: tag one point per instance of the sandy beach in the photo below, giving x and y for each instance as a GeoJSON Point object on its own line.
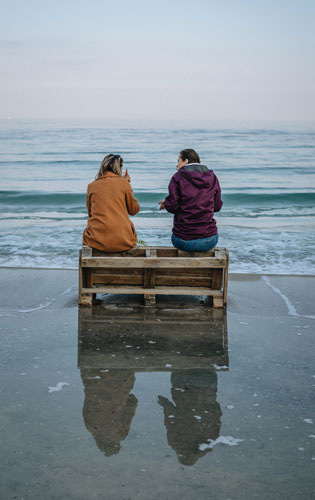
{"type": "Point", "coordinates": [125, 402]}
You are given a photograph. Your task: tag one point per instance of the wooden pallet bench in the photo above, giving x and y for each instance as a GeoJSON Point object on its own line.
{"type": "Point", "coordinates": [154, 271]}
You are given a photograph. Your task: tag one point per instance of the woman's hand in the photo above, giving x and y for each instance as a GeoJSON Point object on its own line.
{"type": "Point", "coordinates": [127, 176]}
{"type": "Point", "coordinates": [162, 205]}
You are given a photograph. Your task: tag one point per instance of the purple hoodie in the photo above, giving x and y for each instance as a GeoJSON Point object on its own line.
{"type": "Point", "coordinates": [194, 195]}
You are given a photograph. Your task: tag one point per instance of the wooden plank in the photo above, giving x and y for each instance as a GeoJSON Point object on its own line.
{"type": "Point", "coordinates": [141, 251]}
{"type": "Point", "coordinates": [87, 278]}
{"type": "Point", "coordinates": [209, 253]}
{"type": "Point", "coordinates": [133, 252]}
{"type": "Point", "coordinates": [183, 281]}
{"type": "Point", "coordinates": [220, 253]}
{"type": "Point", "coordinates": [116, 279]}
{"type": "Point", "coordinates": [151, 252]}
{"type": "Point", "coordinates": [149, 278]}
{"type": "Point", "coordinates": [80, 276]}
{"type": "Point", "coordinates": [84, 299]}
{"type": "Point", "coordinates": [226, 278]}
{"type": "Point", "coordinates": [218, 302]}
{"type": "Point", "coordinates": [111, 271]}
{"type": "Point", "coordinates": [138, 252]}
{"type": "Point", "coordinates": [86, 251]}
{"type": "Point", "coordinates": [155, 262]}
{"type": "Point", "coordinates": [166, 252]}
{"type": "Point", "coordinates": [188, 272]}
{"type": "Point", "coordinates": [217, 279]}
{"type": "Point", "coordinates": [149, 299]}
{"type": "Point", "coordinates": [125, 271]}
{"type": "Point", "coordinates": [156, 290]}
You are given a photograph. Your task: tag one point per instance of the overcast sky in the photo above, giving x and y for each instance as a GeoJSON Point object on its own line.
{"type": "Point", "coordinates": [158, 59]}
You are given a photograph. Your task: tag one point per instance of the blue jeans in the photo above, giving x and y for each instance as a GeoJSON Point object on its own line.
{"type": "Point", "coordinates": [199, 245]}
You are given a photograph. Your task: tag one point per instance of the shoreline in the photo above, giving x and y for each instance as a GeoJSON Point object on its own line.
{"type": "Point", "coordinates": [48, 288]}
{"type": "Point", "coordinates": [232, 274]}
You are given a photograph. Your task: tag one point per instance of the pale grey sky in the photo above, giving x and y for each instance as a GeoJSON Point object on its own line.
{"type": "Point", "coordinates": [175, 59]}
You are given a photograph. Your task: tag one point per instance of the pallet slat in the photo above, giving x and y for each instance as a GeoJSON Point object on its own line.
{"type": "Point", "coordinates": [155, 291]}
{"type": "Point", "coordinates": [154, 262]}
{"type": "Point", "coordinates": [193, 273]}
{"type": "Point", "coordinates": [142, 252]}
{"type": "Point", "coordinates": [115, 279]}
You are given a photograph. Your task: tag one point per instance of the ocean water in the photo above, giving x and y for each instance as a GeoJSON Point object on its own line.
{"type": "Point", "coordinates": [267, 177]}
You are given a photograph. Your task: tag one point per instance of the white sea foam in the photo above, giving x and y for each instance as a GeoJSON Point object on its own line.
{"type": "Point", "coordinates": [228, 440]}
{"type": "Point", "coordinates": [70, 290]}
{"type": "Point", "coordinates": [291, 308]}
{"type": "Point", "coordinates": [41, 306]}
{"type": "Point", "coordinates": [58, 387]}
{"type": "Point", "coordinates": [217, 367]}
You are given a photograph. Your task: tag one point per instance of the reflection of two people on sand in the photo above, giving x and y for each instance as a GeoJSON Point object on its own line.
{"type": "Point", "coordinates": [108, 406]}
{"type": "Point", "coordinates": [194, 415]}
{"type": "Point", "coordinates": [115, 343]}
{"type": "Point", "coordinates": [192, 418]}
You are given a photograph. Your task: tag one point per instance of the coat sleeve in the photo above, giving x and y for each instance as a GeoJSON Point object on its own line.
{"type": "Point", "coordinates": [217, 197]}
{"type": "Point", "coordinates": [131, 202]}
{"type": "Point", "coordinates": [88, 202]}
{"type": "Point", "coordinates": [172, 201]}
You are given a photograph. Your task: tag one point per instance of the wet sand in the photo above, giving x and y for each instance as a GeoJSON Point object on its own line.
{"type": "Point", "coordinates": [126, 402]}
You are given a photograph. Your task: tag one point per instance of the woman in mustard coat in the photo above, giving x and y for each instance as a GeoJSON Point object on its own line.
{"type": "Point", "coordinates": [109, 200]}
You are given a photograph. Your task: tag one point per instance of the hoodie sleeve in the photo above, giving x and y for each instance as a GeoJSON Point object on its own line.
{"type": "Point", "coordinates": [217, 196]}
{"type": "Point", "coordinates": [173, 198]}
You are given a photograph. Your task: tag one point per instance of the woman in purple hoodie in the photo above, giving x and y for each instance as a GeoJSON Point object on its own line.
{"type": "Point", "coordinates": [194, 196]}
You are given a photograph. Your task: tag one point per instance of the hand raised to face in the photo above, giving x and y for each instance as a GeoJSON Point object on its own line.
{"type": "Point", "coordinates": [127, 176]}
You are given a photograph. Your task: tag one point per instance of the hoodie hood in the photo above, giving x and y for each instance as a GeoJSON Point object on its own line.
{"type": "Point", "coordinates": [194, 196]}
{"type": "Point", "coordinates": [199, 175]}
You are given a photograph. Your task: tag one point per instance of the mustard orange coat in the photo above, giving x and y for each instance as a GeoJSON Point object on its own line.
{"type": "Point", "coordinates": [109, 200]}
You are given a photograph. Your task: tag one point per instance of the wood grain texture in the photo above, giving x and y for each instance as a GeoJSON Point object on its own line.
{"type": "Point", "coordinates": [157, 290]}
{"type": "Point", "coordinates": [155, 262]}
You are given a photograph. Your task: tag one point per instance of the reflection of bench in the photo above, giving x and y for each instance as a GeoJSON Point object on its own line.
{"type": "Point", "coordinates": [152, 338]}
{"type": "Point", "coordinates": [154, 271]}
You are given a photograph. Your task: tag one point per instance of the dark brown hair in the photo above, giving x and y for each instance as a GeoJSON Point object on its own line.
{"type": "Point", "coordinates": [190, 155]}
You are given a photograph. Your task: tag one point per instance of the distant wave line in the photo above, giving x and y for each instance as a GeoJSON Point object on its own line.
{"type": "Point", "coordinates": [239, 198]}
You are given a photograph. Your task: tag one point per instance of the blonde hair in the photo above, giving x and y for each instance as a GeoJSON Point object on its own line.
{"type": "Point", "coordinates": [111, 163]}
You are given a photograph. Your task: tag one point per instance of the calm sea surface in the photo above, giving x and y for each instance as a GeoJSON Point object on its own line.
{"type": "Point", "coordinates": [267, 176]}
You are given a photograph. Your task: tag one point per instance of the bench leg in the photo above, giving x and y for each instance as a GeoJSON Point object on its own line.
{"type": "Point", "coordinates": [149, 299]}
{"type": "Point", "coordinates": [218, 302]}
{"type": "Point", "coordinates": [226, 278]}
{"type": "Point", "coordinates": [85, 299]}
